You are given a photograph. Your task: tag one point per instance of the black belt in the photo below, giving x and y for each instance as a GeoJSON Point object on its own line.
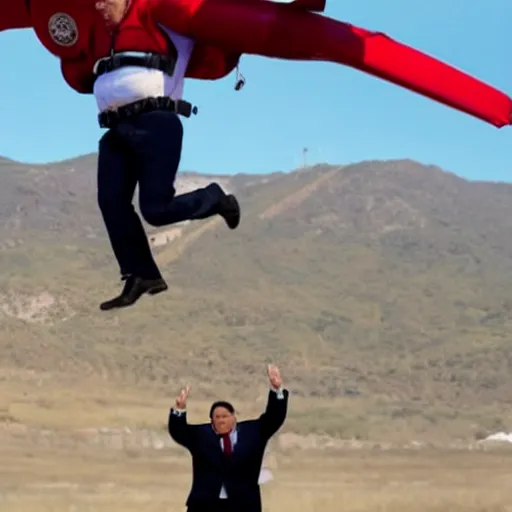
{"type": "Point", "coordinates": [109, 118]}
{"type": "Point", "coordinates": [163, 63]}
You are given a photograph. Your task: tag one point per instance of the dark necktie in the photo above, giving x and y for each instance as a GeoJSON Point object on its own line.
{"type": "Point", "coordinates": [227, 444]}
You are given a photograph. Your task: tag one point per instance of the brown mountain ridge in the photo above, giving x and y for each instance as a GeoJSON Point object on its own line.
{"type": "Point", "coordinates": [382, 288]}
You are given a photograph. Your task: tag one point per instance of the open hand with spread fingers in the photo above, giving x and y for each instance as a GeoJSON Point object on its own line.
{"type": "Point", "coordinates": [181, 401]}
{"type": "Point", "coordinates": [274, 376]}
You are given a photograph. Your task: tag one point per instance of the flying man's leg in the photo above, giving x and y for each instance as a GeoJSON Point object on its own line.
{"type": "Point", "coordinates": [157, 144]}
{"type": "Point", "coordinates": [117, 179]}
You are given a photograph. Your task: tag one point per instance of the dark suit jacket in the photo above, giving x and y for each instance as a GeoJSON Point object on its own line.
{"type": "Point", "coordinates": [238, 472]}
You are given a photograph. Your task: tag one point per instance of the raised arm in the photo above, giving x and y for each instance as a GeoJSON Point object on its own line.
{"type": "Point", "coordinates": [15, 14]}
{"type": "Point", "coordinates": [257, 28]}
{"type": "Point", "coordinates": [277, 406]}
{"type": "Point", "coordinates": [177, 425]}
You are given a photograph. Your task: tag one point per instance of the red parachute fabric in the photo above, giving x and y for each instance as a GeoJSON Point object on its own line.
{"type": "Point", "coordinates": [293, 32]}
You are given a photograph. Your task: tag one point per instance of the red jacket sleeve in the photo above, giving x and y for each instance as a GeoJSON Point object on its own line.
{"type": "Point", "coordinates": [207, 62]}
{"type": "Point", "coordinates": [173, 14]}
{"type": "Point", "coordinates": [14, 14]}
{"type": "Point", "coordinates": [284, 31]}
{"type": "Point", "coordinates": [78, 75]}
{"type": "Point", "coordinates": [210, 63]}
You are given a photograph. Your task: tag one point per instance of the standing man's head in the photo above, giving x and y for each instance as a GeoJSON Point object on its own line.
{"type": "Point", "coordinates": [222, 416]}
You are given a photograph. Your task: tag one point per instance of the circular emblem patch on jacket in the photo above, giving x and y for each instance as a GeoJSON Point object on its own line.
{"type": "Point", "coordinates": [63, 29]}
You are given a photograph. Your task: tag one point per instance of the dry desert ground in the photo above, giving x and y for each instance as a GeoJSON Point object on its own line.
{"type": "Point", "coordinates": [94, 480]}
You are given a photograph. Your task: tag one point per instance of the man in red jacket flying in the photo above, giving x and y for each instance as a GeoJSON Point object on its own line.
{"type": "Point", "coordinates": [140, 102]}
{"type": "Point", "coordinates": [136, 71]}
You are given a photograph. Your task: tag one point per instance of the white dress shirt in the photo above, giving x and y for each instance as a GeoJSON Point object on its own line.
{"type": "Point", "coordinates": [132, 83]}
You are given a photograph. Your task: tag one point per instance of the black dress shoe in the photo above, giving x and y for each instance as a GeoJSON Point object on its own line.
{"type": "Point", "coordinates": [229, 210]}
{"type": "Point", "coordinates": [133, 289]}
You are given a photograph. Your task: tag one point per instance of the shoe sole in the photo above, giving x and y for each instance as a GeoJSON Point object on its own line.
{"type": "Point", "coordinates": [158, 289]}
{"type": "Point", "coordinates": [152, 291]}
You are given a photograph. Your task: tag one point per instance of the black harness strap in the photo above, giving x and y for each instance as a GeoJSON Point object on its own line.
{"type": "Point", "coordinates": [115, 61]}
{"type": "Point", "coordinates": [109, 118]}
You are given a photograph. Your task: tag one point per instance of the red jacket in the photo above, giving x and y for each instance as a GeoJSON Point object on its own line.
{"type": "Point", "coordinates": [225, 29]}
{"type": "Point", "coordinates": [76, 32]}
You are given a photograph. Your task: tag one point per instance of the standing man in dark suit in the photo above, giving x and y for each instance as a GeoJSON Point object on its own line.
{"type": "Point", "coordinates": [227, 454]}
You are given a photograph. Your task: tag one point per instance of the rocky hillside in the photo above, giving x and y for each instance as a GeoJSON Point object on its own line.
{"type": "Point", "coordinates": [384, 284]}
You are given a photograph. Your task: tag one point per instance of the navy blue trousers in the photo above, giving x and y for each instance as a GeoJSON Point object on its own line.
{"type": "Point", "coordinates": [145, 150]}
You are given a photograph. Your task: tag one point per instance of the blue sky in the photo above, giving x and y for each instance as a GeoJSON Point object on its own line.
{"type": "Point", "coordinates": [347, 116]}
